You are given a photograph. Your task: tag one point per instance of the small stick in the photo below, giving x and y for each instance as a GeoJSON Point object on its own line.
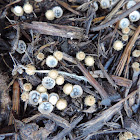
{"type": "Point", "coordinates": [67, 6]}
{"type": "Point", "coordinates": [92, 81]}
{"type": "Point", "coordinates": [119, 17]}
{"type": "Point", "coordinates": [57, 119]}
{"type": "Point", "coordinates": [127, 50]}
{"type": "Point", "coordinates": [15, 98]}
{"type": "Point", "coordinates": [56, 30]}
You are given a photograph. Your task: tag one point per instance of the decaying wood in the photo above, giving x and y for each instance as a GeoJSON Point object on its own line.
{"type": "Point", "coordinates": [16, 98]}
{"type": "Point", "coordinates": [126, 53]}
{"type": "Point", "coordinates": [56, 30]}
{"type": "Point", "coordinates": [66, 131]}
{"type": "Point", "coordinates": [57, 119]}
{"type": "Point", "coordinates": [132, 126]}
{"type": "Point", "coordinates": [119, 17]}
{"type": "Point", "coordinates": [98, 122]}
{"type": "Point", "coordinates": [67, 6]}
{"type": "Point", "coordinates": [92, 81]}
{"type": "Point", "coordinates": [5, 101]}
{"type": "Point", "coordinates": [122, 81]}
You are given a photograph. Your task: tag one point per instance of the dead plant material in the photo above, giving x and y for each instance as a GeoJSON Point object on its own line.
{"type": "Point", "coordinates": [119, 17]}
{"type": "Point", "coordinates": [122, 81]}
{"type": "Point", "coordinates": [126, 53]}
{"type": "Point", "coordinates": [92, 81]}
{"type": "Point", "coordinates": [97, 123]}
{"type": "Point", "coordinates": [56, 30]}
{"type": "Point", "coordinates": [5, 101]}
{"type": "Point", "coordinates": [67, 6]}
{"type": "Point", "coordinates": [16, 98]}
{"type": "Point", "coordinates": [59, 120]}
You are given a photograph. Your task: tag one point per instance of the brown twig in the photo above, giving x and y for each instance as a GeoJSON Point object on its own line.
{"type": "Point", "coordinates": [92, 81]}
{"type": "Point", "coordinates": [67, 6]}
{"type": "Point", "coordinates": [119, 17]}
{"type": "Point", "coordinates": [126, 53]}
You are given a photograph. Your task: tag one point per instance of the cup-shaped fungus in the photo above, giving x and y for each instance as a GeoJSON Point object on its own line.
{"type": "Point", "coordinates": [128, 135]}
{"type": "Point", "coordinates": [53, 98]}
{"type": "Point", "coordinates": [90, 100]}
{"type": "Point", "coordinates": [80, 56]}
{"type": "Point", "coordinates": [77, 91]}
{"type": "Point", "coordinates": [130, 4]}
{"type": "Point", "coordinates": [61, 104]}
{"type": "Point", "coordinates": [134, 16]}
{"type": "Point", "coordinates": [30, 70]}
{"type": "Point", "coordinates": [126, 30]}
{"type": "Point", "coordinates": [105, 4]}
{"type": "Point", "coordinates": [60, 80]}
{"type": "Point", "coordinates": [58, 55]}
{"type": "Point", "coordinates": [53, 74]}
{"type": "Point", "coordinates": [40, 56]}
{"type": "Point", "coordinates": [43, 97]}
{"type": "Point", "coordinates": [122, 137]}
{"type": "Point", "coordinates": [21, 48]}
{"type": "Point", "coordinates": [28, 8]}
{"type": "Point", "coordinates": [125, 37]}
{"type": "Point", "coordinates": [67, 89]}
{"type": "Point", "coordinates": [48, 82]}
{"type": "Point", "coordinates": [118, 45]}
{"type": "Point", "coordinates": [89, 61]}
{"type": "Point", "coordinates": [124, 23]}
{"type": "Point", "coordinates": [34, 97]}
{"type": "Point", "coordinates": [136, 53]}
{"type": "Point", "coordinates": [136, 66]}
{"type": "Point", "coordinates": [27, 87]}
{"type": "Point", "coordinates": [18, 11]}
{"type": "Point", "coordinates": [45, 108]}
{"type": "Point", "coordinates": [40, 88]}
{"type": "Point", "coordinates": [51, 61]}
{"type": "Point", "coordinates": [58, 12]}
{"type": "Point", "coordinates": [24, 96]}
{"type": "Point", "coordinates": [50, 15]}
